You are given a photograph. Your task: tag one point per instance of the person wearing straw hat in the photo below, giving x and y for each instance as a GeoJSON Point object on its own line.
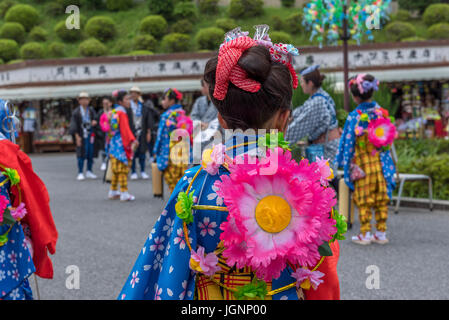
{"type": "Point", "coordinates": [83, 127]}
{"type": "Point", "coordinates": [142, 125]}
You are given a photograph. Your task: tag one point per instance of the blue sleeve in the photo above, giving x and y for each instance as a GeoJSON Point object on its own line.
{"type": "Point", "coordinates": [346, 149]}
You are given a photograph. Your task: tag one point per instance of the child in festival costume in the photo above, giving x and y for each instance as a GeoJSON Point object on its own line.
{"type": "Point", "coordinates": [233, 227]}
{"type": "Point", "coordinates": [365, 156]}
{"type": "Point", "coordinates": [27, 230]}
{"type": "Point", "coordinates": [121, 143]}
{"type": "Point", "coordinates": [171, 154]}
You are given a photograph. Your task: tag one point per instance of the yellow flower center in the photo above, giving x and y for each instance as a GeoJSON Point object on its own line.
{"type": "Point", "coordinates": [379, 132]}
{"type": "Point", "coordinates": [306, 284]}
{"type": "Point", "coordinates": [206, 159]}
{"type": "Point", "coordinates": [195, 265]}
{"type": "Point", "coordinates": [273, 214]}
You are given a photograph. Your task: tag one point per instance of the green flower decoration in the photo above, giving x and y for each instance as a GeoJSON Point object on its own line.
{"type": "Point", "coordinates": [3, 239]}
{"type": "Point", "coordinates": [184, 205]}
{"type": "Point", "coordinates": [12, 175]}
{"type": "Point", "coordinates": [364, 117]}
{"type": "Point", "coordinates": [256, 289]}
{"type": "Point", "coordinates": [392, 119]}
{"type": "Point", "coordinates": [362, 144]}
{"type": "Point", "coordinates": [341, 225]}
{"type": "Point", "coordinates": [273, 140]}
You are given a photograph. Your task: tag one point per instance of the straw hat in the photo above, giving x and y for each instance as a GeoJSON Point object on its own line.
{"type": "Point", "coordinates": [83, 95]}
{"type": "Point", "coordinates": [135, 89]}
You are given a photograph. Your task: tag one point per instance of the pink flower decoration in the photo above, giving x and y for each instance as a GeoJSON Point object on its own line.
{"type": "Point", "coordinates": [104, 123]}
{"type": "Point", "coordinates": [184, 122]}
{"type": "Point", "coordinates": [19, 212]}
{"type": "Point", "coordinates": [3, 204]}
{"type": "Point", "coordinates": [208, 263]}
{"type": "Point", "coordinates": [326, 173]}
{"type": "Point", "coordinates": [359, 131]}
{"type": "Point", "coordinates": [381, 132]}
{"type": "Point", "coordinates": [246, 242]}
{"type": "Point", "coordinates": [217, 158]}
{"type": "Point", "coordinates": [302, 274]}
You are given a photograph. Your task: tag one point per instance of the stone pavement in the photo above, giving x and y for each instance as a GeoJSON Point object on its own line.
{"type": "Point", "coordinates": [103, 238]}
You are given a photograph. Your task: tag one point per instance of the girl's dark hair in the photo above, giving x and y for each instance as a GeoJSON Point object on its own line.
{"type": "Point", "coordinates": [107, 98]}
{"type": "Point", "coordinates": [120, 95]}
{"type": "Point", "coordinates": [172, 94]}
{"type": "Point", "coordinates": [315, 76]}
{"type": "Point", "coordinates": [244, 110]}
{"type": "Point", "coordinates": [355, 88]}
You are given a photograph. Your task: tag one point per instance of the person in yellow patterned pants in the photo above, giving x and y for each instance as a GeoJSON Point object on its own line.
{"type": "Point", "coordinates": [120, 173]}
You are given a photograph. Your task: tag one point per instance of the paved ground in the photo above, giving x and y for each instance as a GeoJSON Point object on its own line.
{"type": "Point", "coordinates": [102, 238]}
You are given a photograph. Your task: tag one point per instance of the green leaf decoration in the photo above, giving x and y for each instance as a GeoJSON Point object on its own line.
{"type": "Point", "coordinates": [7, 217]}
{"type": "Point", "coordinates": [362, 144]}
{"type": "Point", "coordinates": [341, 225]}
{"type": "Point", "coordinates": [273, 140]}
{"type": "Point", "coordinates": [184, 205]}
{"type": "Point", "coordinates": [3, 239]}
{"type": "Point", "coordinates": [325, 250]}
{"type": "Point", "coordinates": [12, 175]}
{"type": "Point", "coordinates": [256, 289]}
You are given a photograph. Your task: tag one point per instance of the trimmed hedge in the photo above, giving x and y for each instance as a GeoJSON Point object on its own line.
{"type": "Point", "coordinates": [118, 5]}
{"type": "Point", "coordinates": [65, 34]}
{"type": "Point", "coordinates": [293, 23]}
{"type": "Point", "coordinates": [155, 25]}
{"type": "Point", "coordinates": [399, 30]}
{"type": "Point", "coordinates": [1, 61]}
{"type": "Point", "coordinates": [13, 30]}
{"type": "Point", "coordinates": [245, 8]}
{"type": "Point", "coordinates": [5, 5]}
{"type": "Point", "coordinates": [185, 10]}
{"type": "Point", "coordinates": [92, 48]}
{"type": "Point", "coordinates": [280, 37]}
{"type": "Point", "coordinates": [24, 14]}
{"type": "Point", "coordinates": [9, 49]}
{"type": "Point", "coordinates": [101, 27]}
{"type": "Point", "coordinates": [176, 42]}
{"type": "Point", "coordinates": [182, 26]}
{"type": "Point", "coordinates": [277, 23]}
{"type": "Point", "coordinates": [288, 3]}
{"type": "Point", "coordinates": [439, 31]}
{"type": "Point", "coordinates": [413, 39]}
{"type": "Point", "coordinates": [145, 42]}
{"type": "Point", "coordinates": [162, 7]}
{"type": "Point", "coordinates": [208, 6]}
{"type": "Point", "coordinates": [56, 49]}
{"type": "Point", "coordinates": [140, 53]}
{"type": "Point", "coordinates": [226, 24]}
{"type": "Point", "coordinates": [54, 9]}
{"type": "Point", "coordinates": [436, 13]}
{"type": "Point", "coordinates": [38, 34]}
{"type": "Point", "coordinates": [402, 15]}
{"type": "Point", "coordinates": [32, 50]}
{"type": "Point", "coordinates": [209, 38]}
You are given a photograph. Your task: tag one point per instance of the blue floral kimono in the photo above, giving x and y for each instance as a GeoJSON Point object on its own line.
{"type": "Point", "coordinates": [346, 149]}
{"type": "Point", "coordinates": [162, 146]}
{"type": "Point", "coordinates": [162, 270]}
{"type": "Point", "coordinates": [115, 147]}
{"type": "Point", "coordinates": [16, 263]}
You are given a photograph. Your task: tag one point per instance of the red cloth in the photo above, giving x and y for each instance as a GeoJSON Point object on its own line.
{"type": "Point", "coordinates": [330, 288]}
{"type": "Point", "coordinates": [126, 134]}
{"type": "Point", "coordinates": [35, 196]}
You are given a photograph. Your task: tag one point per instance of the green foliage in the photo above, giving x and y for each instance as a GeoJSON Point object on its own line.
{"type": "Point", "coordinates": [145, 42]}
{"type": "Point", "coordinates": [140, 53]}
{"type": "Point", "coordinates": [2, 62]}
{"type": "Point", "coordinates": [32, 50]}
{"type": "Point", "coordinates": [419, 5]}
{"type": "Point", "coordinates": [402, 15]}
{"type": "Point", "coordinates": [176, 42]}
{"type": "Point", "coordinates": [54, 9]}
{"type": "Point", "coordinates": [384, 98]}
{"type": "Point", "coordinates": [9, 49]}
{"type": "Point", "coordinates": [436, 13]}
{"type": "Point", "coordinates": [15, 61]}
{"type": "Point", "coordinates": [156, 25]}
{"type": "Point", "coordinates": [118, 5]}
{"type": "Point", "coordinates": [184, 205]}
{"type": "Point", "coordinates": [245, 8]}
{"type": "Point", "coordinates": [38, 34]}
{"type": "Point", "coordinates": [428, 157]}
{"type": "Point", "coordinates": [65, 34]}
{"type": "Point", "coordinates": [5, 5]}
{"type": "Point", "coordinates": [182, 26]}
{"type": "Point", "coordinates": [162, 7]}
{"type": "Point", "coordinates": [208, 6]}
{"type": "Point", "coordinates": [288, 3]}
{"type": "Point", "coordinates": [256, 289]}
{"type": "Point", "coordinates": [280, 37]}
{"type": "Point", "coordinates": [293, 23]}
{"type": "Point", "coordinates": [56, 49]}
{"type": "Point", "coordinates": [209, 38]}
{"type": "Point", "coordinates": [185, 10]}
{"type": "Point", "coordinates": [277, 23]}
{"type": "Point", "coordinates": [101, 27]}
{"type": "Point", "coordinates": [23, 14]}
{"type": "Point", "coordinates": [413, 39]}
{"type": "Point", "coordinates": [92, 48]}
{"type": "Point", "coordinates": [399, 30]}
{"type": "Point", "coordinates": [13, 30]}
{"type": "Point", "coordinates": [439, 31]}
{"type": "Point", "coordinates": [225, 24]}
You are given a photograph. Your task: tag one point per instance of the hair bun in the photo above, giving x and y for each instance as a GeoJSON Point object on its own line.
{"type": "Point", "coordinates": [256, 61]}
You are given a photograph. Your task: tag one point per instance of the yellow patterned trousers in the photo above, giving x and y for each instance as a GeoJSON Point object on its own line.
{"type": "Point", "coordinates": [177, 163]}
{"type": "Point", "coordinates": [119, 175]}
{"type": "Point", "coordinates": [371, 191]}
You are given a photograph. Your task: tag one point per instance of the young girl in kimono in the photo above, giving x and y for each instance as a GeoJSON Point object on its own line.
{"type": "Point", "coordinates": [27, 230]}
{"type": "Point", "coordinates": [365, 156]}
{"type": "Point", "coordinates": [172, 153]}
{"type": "Point", "coordinates": [239, 226]}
